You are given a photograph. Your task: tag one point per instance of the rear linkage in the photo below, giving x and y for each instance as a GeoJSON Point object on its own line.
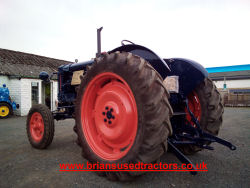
{"type": "Point", "coordinates": [195, 136]}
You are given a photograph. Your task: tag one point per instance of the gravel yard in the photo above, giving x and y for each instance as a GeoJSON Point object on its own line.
{"type": "Point", "coordinates": [23, 166]}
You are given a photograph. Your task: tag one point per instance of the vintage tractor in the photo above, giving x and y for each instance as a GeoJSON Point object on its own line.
{"type": "Point", "coordinates": [6, 104]}
{"type": "Point", "coordinates": [131, 106]}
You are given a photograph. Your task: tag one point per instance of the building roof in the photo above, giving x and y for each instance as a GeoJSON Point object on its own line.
{"type": "Point", "coordinates": [229, 68]}
{"type": "Point", "coordinates": [229, 72]}
{"type": "Point", "coordinates": [25, 65]}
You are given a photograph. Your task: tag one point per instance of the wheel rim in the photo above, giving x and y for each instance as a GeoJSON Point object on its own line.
{"type": "Point", "coordinates": [194, 106]}
{"type": "Point", "coordinates": [109, 116]}
{"type": "Point", "coordinates": [36, 127]}
{"type": "Point", "coordinates": [4, 111]}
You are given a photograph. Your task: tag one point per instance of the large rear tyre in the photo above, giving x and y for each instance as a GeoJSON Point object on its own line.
{"type": "Point", "coordinates": [122, 113]}
{"type": "Point", "coordinates": [40, 126]}
{"type": "Point", "coordinates": [206, 104]}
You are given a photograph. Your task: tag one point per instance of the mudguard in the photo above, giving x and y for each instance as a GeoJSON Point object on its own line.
{"type": "Point", "coordinates": [190, 73]}
{"type": "Point", "coordinates": [158, 63]}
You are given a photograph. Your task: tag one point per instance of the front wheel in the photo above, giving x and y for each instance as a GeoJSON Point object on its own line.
{"type": "Point", "coordinates": [5, 110]}
{"type": "Point", "coordinates": [40, 126]}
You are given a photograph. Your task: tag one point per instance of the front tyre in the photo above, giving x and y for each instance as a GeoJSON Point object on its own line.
{"type": "Point", "coordinates": [5, 110]}
{"type": "Point", "coordinates": [40, 126]}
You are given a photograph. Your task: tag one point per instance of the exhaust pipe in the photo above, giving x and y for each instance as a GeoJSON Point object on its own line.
{"type": "Point", "coordinates": [98, 54]}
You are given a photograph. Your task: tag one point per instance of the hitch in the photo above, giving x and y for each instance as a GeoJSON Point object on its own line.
{"type": "Point", "coordinates": [181, 156]}
{"type": "Point", "coordinates": [189, 134]}
{"type": "Point", "coordinates": [213, 138]}
{"type": "Point", "coordinates": [203, 136]}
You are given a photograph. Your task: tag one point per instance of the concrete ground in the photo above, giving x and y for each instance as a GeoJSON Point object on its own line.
{"type": "Point", "coordinates": [23, 166]}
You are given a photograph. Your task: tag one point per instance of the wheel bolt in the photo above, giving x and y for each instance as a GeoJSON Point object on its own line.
{"type": "Point", "coordinates": [105, 120]}
{"type": "Point", "coordinates": [113, 117]}
{"type": "Point", "coordinates": [103, 113]}
{"type": "Point", "coordinates": [111, 110]}
{"type": "Point", "coordinates": [110, 122]}
{"type": "Point", "coordinates": [106, 108]}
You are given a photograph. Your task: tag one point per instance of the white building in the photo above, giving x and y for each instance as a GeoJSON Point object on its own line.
{"type": "Point", "coordinates": [233, 83]}
{"type": "Point", "coordinates": [20, 71]}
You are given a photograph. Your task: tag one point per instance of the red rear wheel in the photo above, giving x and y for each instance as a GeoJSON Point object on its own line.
{"type": "Point", "coordinates": [122, 113]}
{"type": "Point", "coordinates": [109, 116]}
{"type": "Point", "coordinates": [205, 103]}
{"type": "Point", "coordinates": [195, 107]}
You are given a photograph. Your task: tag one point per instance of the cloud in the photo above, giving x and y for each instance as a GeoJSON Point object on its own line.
{"type": "Point", "coordinates": [214, 33]}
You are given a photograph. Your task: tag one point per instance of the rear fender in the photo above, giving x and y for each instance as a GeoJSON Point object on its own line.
{"type": "Point", "coordinates": [190, 73]}
{"type": "Point", "coordinates": [158, 63]}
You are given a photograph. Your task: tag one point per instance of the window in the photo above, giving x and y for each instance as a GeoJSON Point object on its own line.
{"type": "Point", "coordinates": [34, 92]}
{"type": "Point", "coordinates": [224, 86]}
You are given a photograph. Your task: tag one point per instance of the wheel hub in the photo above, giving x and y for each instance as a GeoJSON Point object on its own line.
{"type": "Point", "coordinates": [108, 115]}
{"type": "Point", "coordinates": [4, 111]}
{"type": "Point", "coordinates": [36, 127]}
{"type": "Point", "coordinates": [112, 129]}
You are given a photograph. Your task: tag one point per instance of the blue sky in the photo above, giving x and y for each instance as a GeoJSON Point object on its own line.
{"type": "Point", "coordinates": [211, 32]}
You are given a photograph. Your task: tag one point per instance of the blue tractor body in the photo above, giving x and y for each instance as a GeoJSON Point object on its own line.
{"type": "Point", "coordinates": [5, 99]}
{"type": "Point", "coordinates": [189, 72]}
